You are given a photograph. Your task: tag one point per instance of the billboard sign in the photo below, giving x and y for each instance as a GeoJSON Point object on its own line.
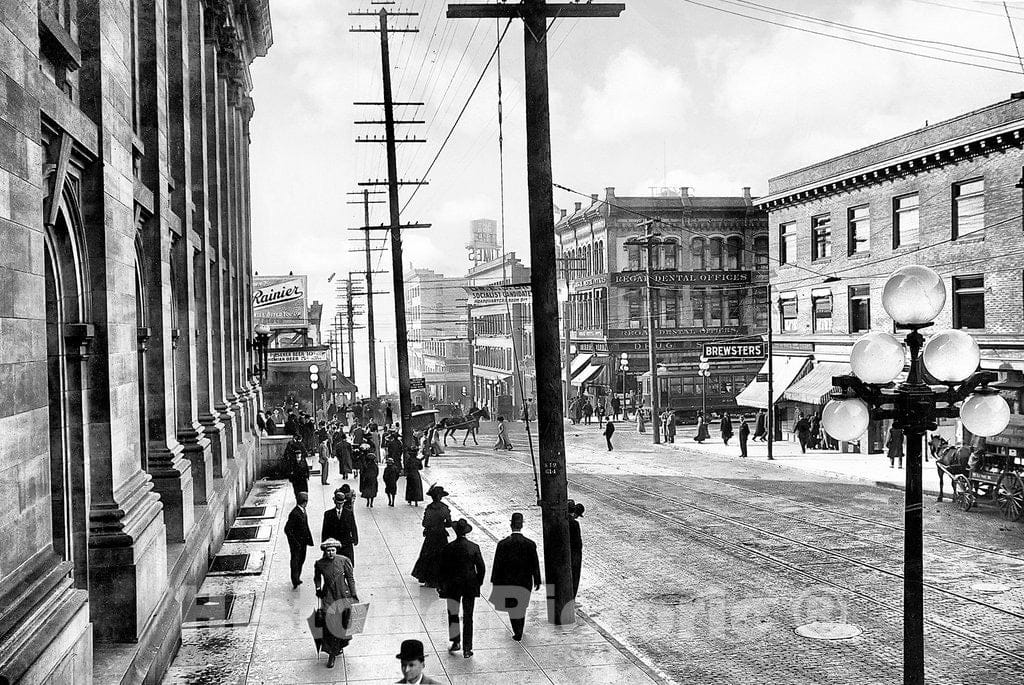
{"type": "Point", "coordinates": [298, 354]}
{"type": "Point", "coordinates": [483, 295]}
{"type": "Point", "coordinates": [280, 301]}
{"type": "Point", "coordinates": [627, 279]}
{"type": "Point", "coordinates": [736, 350]}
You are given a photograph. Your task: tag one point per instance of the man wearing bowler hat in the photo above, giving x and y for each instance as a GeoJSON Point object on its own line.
{"type": "Point", "coordinates": [340, 523]}
{"type": "Point", "coordinates": [462, 574]}
{"type": "Point", "coordinates": [515, 573]}
{"type": "Point", "coordinates": [412, 658]}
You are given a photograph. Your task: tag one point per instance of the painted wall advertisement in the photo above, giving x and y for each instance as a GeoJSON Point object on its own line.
{"type": "Point", "coordinates": [280, 301]}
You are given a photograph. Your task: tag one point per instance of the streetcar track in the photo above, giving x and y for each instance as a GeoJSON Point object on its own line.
{"type": "Point", "coordinates": [728, 545]}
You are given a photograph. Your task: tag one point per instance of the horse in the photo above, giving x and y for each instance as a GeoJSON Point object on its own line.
{"type": "Point", "coordinates": [469, 423]}
{"type": "Point", "coordinates": [952, 460]}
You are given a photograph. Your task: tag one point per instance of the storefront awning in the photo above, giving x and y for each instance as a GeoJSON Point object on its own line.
{"type": "Point", "coordinates": [342, 384]}
{"type": "Point", "coordinates": [491, 375]}
{"type": "Point", "coordinates": [587, 374]}
{"type": "Point", "coordinates": [816, 386]}
{"type": "Point", "coordinates": [578, 363]}
{"type": "Point", "coordinates": [786, 369]}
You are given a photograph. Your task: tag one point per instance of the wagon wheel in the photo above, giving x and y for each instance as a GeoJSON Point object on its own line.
{"type": "Point", "coordinates": [1010, 496]}
{"type": "Point", "coordinates": [963, 493]}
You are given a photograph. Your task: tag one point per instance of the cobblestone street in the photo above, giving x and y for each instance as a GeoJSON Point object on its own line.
{"type": "Point", "coordinates": [733, 556]}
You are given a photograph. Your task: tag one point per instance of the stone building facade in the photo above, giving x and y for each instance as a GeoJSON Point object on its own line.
{"type": "Point", "coordinates": [711, 273]}
{"type": "Point", "coordinates": [947, 196]}
{"type": "Point", "coordinates": [126, 427]}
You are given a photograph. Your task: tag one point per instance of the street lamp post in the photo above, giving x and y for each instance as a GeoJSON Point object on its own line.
{"type": "Point", "coordinates": [261, 342]}
{"type": "Point", "coordinates": [649, 241]}
{"type": "Point", "coordinates": [913, 297]}
{"type": "Point", "coordinates": [624, 367]}
{"type": "Point", "coordinates": [705, 370]}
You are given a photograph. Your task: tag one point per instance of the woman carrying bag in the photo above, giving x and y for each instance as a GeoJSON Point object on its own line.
{"type": "Point", "coordinates": [335, 583]}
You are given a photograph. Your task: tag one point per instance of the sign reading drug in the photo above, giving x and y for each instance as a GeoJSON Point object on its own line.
{"type": "Point", "coordinates": [280, 301]}
{"type": "Point", "coordinates": [742, 350]}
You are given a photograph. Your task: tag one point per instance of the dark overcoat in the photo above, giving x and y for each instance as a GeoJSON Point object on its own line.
{"type": "Point", "coordinates": [516, 571]}
{"type": "Point", "coordinates": [462, 569]}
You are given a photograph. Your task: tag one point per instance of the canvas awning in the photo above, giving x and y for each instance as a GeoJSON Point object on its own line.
{"type": "Point", "coordinates": [587, 374]}
{"type": "Point", "coordinates": [816, 386]}
{"type": "Point", "coordinates": [578, 363]}
{"type": "Point", "coordinates": [786, 370]}
{"type": "Point", "coordinates": [491, 375]}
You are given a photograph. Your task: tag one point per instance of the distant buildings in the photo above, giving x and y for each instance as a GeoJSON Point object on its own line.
{"type": "Point", "coordinates": [947, 196]}
{"type": "Point", "coordinates": [710, 286]}
{"type": "Point", "coordinates": [438, 345]}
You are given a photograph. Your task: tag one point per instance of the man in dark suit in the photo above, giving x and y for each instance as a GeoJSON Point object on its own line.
{"type": "Point", "coordinates": [515, 573]}
{"type": "Point", "coordinates": [340, 523]}
{"type": "Point", "coordinates": [462, 574]}
{"type": "Point", "coordinates": [299, 537]}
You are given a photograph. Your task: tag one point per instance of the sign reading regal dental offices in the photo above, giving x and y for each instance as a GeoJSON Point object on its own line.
{"type": "Point", "coordinates": [280, 301]}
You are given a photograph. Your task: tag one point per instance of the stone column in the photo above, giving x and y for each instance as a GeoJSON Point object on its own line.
{"type": "Point", "coordinates": [171, 471]}
{"type": "Point", "coordinates": [127, 546]}
{"type": "Point", "coordinates": [244, 386]}
{"type": "Point", "coordinates": [198, 74]}
{"type": "Point", "coordinates": [215, 241]}
{"type": "Point", "coordinates": [186, 363]}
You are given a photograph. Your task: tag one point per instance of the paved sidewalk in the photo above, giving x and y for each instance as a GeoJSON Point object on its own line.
{"type": "Point", "coordinates": [275, 647]}
{"type": "Point", "coordinates": [873, 468]}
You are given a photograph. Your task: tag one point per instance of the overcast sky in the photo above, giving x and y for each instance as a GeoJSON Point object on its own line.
{"type": "Point", "coordinates": [672, 93]}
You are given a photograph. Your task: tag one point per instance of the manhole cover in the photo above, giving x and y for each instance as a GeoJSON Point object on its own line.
{"type": "Point", "coordinates": [819, 630]}
{"type": "Point", "coordinates": [257, 512]}
{"type": "Point", "coordinates": [237, 564]}
{"type": "Point", "coordinates": [226, 611]}
{"type": "Point", "coordinates": [990, 587]}
{"type": "Point", "coordinates": [259, 533]}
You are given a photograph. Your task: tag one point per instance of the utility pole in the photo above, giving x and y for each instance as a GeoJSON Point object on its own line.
{"type": "Point", "coordinates": [393, 182]}
{"type": "Point", "coordinates": [471, 337]}
{"type": "Point", "coordinates": [648, 241]}
{"type": "Point", "coordinates": [550, 422]}
{"type": "Point", "coordinates": [370, 332]}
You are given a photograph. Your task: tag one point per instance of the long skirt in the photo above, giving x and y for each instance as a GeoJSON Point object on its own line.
{"type": "Point", "coordinates": [428, 566]}
{"type": "Point", "coordinates": [413, 486]}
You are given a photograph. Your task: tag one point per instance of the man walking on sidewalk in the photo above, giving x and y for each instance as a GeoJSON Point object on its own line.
{"type": "Point", "coordinates": [609, 431]}
{"type": "Point", "coordinates": [743, 435]}
{"type": "Point", "coordinates": [340, 523]}
{"type": "Point", "coordinates": [299, 537]}
{"type": "Point", "coordinates": [462, 574]}
{"type": "Point", "coordinates": [516, 572]}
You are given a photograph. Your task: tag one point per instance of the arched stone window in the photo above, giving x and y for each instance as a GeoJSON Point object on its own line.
{"type": "Point", "coordinates": [734, 253]}
{"type": "Point", "coordinates": [697, 260]}
{"type": "Point", "coordinates": [761, 253]}
{"type": "Point", "coordinates": [715, 254]}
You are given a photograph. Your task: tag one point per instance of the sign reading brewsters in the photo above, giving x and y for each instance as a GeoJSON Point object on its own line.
{"type": "Point", "coordinates": [280, 301]}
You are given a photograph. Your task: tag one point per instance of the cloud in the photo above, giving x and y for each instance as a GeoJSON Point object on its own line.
{"type": "Point", "coordinates": [636, 95]}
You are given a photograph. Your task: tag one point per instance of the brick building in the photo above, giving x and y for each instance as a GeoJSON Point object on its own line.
{"type": "Point", "coordinates": [710, 285]}
{"type": "Point", "coordinates": [126, 434]}
{"type": "Point", "coordinates": [946, 196]}
{"type": "Point", "coordinates": [435, 308]}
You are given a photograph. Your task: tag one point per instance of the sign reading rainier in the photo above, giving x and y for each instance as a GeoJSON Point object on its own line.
{"type": "Point", "coordinates": [515, 293]}
{"type": "Point", "coordinates": [741, 350]}
{"type": "Point", "coordinates": [280, 301]}
{"type": "Point", "coordinates": [639, 278]}
{"type": "Point", "coordinates": [285, 356]}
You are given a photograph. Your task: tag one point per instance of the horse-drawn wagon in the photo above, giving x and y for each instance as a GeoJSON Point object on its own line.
{"type": "Point", "coordinates": [979, 473]}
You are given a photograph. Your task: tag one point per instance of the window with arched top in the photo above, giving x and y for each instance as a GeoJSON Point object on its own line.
{"type": "Point", "coordinates": [668, 255]}
{"type": "Point", "coordinates": [734, 253]}
{"type": "Point", "coordinates": [761, 253]}
{"type": "Point", "coordinates": [697, 260]}
{"type": "Point", "coordinates": [715, 254]}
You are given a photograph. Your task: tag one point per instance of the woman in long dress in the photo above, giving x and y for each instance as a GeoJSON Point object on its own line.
{"type": "Point", "coordinates": [702, 428]}
{"type": "Point", "coordinates": [368, 476]}
{"type": "Point", "coordinates": [436, 519]}
{"type": "Point", "coordinates": [335, 582]}
{"type": "Point", "coordinates": [413, 482]}
{"type": "Point", "coordinates": [391, 474]}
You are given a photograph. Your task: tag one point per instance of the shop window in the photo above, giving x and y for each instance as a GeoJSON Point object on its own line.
{"type": "Point", "coordinates": [669, 310]}
{"type": "Point", "coordinates": [633, 257]}
{"type": "Point", "coordinates": [732, 308]}
{"type": "Point", "coordinates": [698, 298]}
{"type": "Point", "coordinates": [968, 207]}
{"type": "Point", "coordinates": [715, 310]}
{"type": "Point", "coordinates": [969, 302]}
{"type": "Point", "coordinates": [858, 223]}
{"type": "Point", "coordinates": [635, 308]}
{"type": "Point", "coordinates": [905, 220]}
{"type": "Point", "coordinates": [860, 308]}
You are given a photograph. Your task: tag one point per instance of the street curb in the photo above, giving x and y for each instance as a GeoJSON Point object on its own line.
{"type": "Point", "coordinates": [587, 618]}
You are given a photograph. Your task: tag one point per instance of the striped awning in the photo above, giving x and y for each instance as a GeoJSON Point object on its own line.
{"type": "Point", "coordinates": [578, 363]}
{"type": "Point", "coordinates": [587, 374]}
{"type": "Point", "coordinates": [816, 386]}
{"type": "Point", "coordinates": [786, 369]}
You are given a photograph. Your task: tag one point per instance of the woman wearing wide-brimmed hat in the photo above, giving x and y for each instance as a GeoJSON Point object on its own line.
{"type": "Point", "coordinates": [336, 587]}
{"type": "Point", "coordinates": [437, 517]}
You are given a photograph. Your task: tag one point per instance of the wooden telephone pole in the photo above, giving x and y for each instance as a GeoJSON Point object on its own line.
{"type": "Point", "coordinates": [544, 282]}
{"type": "Point", "coordinates": [370, 331]}
{"type": "Point", "coordinates": [393, 182]}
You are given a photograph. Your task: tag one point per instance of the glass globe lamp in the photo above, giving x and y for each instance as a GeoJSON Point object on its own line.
{"type": "Point", "coordinates": [951, 356]}
{"type": "Point", "coordinates": [914, 295]}
{"type": "Point", "coordinates": [985, 414]}
{"type": "Point", "coordinates": [262, 329]}
{"type": "Point", "coordinates": [845, 420]}
{"type": "Point", "coordinates": [877, 357]}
